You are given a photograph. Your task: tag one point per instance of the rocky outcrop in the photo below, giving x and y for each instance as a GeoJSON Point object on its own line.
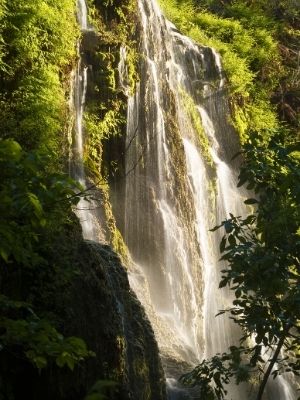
{"type": "Point", "coordinates": [103, 311]}
{"type": "Point", "coordinates": [106, 314]}
{"type": "Point", "coordinates": [84, 291]}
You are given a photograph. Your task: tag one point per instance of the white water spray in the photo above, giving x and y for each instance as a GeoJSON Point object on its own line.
{"type": "Point", "coordinates": [84, 209]}
{"type": "Point", "coordinates": [173, 193]}
{"type": "Point", "coordinates": [82, 14]}
{"type": "Point", "coordinates": [177, 189]}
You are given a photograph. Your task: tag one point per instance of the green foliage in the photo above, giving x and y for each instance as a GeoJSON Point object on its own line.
{"type": "Point", "coordinates": [212, 376]}
{"type": "Point", "coordinates": [30, 199]}
{"type": "Point", "coordinates": [105, 115]}
{"type": "Point", "coordinates": [38, 44]}
{"type": "Point", "coordinates": [34, 113]}
{"type": "Point", "coordinates": [38, 33]}
{"type": "Point", "coordinates": [99, 129]}
{"type": "Point", "coordinates": [106, 106]}
{"type": "Point", "coordinates": [257, 115]}
{"type": "Point", "coordinates": [118, 31]}
{"type": "Point", "coordinates": [33, 204]}
{"type": "Point", "coordinates": [263, 252]}
{"type": "Point", "coordinates": [246, 39]}
{"type": "Point", "coordinates": [115, 237]}
{"type": "Point", "coordinates": [102, 390]}
{"type": "Point", "coordinates": [38, 339]}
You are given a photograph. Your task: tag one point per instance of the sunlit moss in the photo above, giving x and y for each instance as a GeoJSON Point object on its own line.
{"type": "Point", "coordinates": [192, 112]}
{"type": "Point", "coordinates": [38, 49]}
{"type": "Point", "coordinates": [115, 237]}
{"type": "Point", "coordinates": [250, 56]}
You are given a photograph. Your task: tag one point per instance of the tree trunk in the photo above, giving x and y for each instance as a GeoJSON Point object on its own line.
{"type": "Point", "coordinates": [271, 365]}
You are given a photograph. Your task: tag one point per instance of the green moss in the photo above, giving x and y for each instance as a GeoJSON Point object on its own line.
{"type": "Point", "coordinates": [115, 238]}
{"type": "Point", "coordinates": [261, 116]}
{"type": "Point", "coordinates": [245, 38]}
{"type": "Point", "coordinates": [121, 348]}
{"type": "Point", "coordinates": [132, 60]}
{"type": "Point", "coordinates": [240, 122]}
{"type": "Point", "coordinates": [116, 25]}
{"type": "Point", "coordinates": [100, 129]}
{"type": "Point", "coordinates": [212, 190]}
{"type": "Point", "coordinates": [38, 49]}
{"type": "Point", "coordinates": [255, 116]}
{"type": "Point", "coordinates": [106, 105]}
{"type": "Point", "coordinates": [192, 112]}
{"type": "Point", "coordinates": [141, 370]}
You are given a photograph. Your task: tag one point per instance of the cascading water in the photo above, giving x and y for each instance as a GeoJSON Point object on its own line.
{"type": "Point", "coordinates": [180, 182]}
{"type": "Point", "coordinates": [82, 15]}
{"type": "Point", "coordinates": [85, 208]}
{"type": "Point", "coordinates": [170, 195]}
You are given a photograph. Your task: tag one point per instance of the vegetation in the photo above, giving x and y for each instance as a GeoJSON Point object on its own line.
{"type": "Point", "coordinates": [260, 64]}
{"type": "Point", "coordinates": [105, 115]}
{"type": "Point", "coordinates": [193, 114]}
{"type": "Point", "coordinates": [35, 208]}
{"type": "Point", "coordinates": [262, 252]}
{"type": "Point", "coordinates": [38, 50]}
{"type": "Point", "coordinates": [106, 105]}
{"type": "Point", "coordinates": [258, 44]}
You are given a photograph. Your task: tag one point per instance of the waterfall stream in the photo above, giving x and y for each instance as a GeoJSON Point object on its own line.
{"type": "Point", "coordinates": [180, 182]}
{"type": "Point", "coordinates": [181, 189]}
{"type": "Point", "coordinates": [85, 208]}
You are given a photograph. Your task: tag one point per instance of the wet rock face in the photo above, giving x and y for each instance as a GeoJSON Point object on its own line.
{"type": "Point", "coordinates": [107, 315]}
{"type": "Point", "coordinates": [102, 310]}
{"type": "Point", "coordinates": [116, 327]}
{"type": "Point", "coordinates": [84, 291]}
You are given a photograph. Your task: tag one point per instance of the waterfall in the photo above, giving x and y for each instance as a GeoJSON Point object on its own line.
{"type": "Point", "coordinates": [170, 198]}
{"type": "Point", "coordinates": [180, 182]}
{"type": "Point", "coordinates": [85, 210]}
{"type": "Point", "coordinates": [82, 15]}
{"type": "Point", "coordinates": [176, 193]}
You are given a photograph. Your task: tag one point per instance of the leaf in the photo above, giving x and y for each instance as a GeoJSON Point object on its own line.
{"type": "Point", "coordinates": [232, 240]}
{"type": "Point", "coordinates": [40, 362]}
{"type": "Point", "coordinates": [223, 244]}
{"type": "Point", "coordinates": [223, 283]}
{"type": "Point", "coordinates": [10, 148]}
{"type": "Point", "coordinates": [242, 180]}
{"type": "Point", "coordinates": [249, 220]}
{"type": "Point", "coordinates": [217, 378]}
{"type": "Point", "coordinates": [70, 363]}
{"type": "Point", "coordinates": [215, 228]}
{"type": "Point", "coordinates": [60, 362]}
{"type": "Point", "coordinates": [228, 226]}
{"type": "Point", "coordinates": [38, 209]}
{"type": "Point", "coordinates": [4, 254]}
{"type": "Point", "coordinates": [242, 239]}
{"type": "Point", "coordinates": [250, 201]}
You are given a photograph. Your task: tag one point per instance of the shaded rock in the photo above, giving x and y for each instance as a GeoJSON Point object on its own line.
{"type": "Point", "coordinates": [96, 304]}
{"type": "Point", "coordinates": [103, 311]}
